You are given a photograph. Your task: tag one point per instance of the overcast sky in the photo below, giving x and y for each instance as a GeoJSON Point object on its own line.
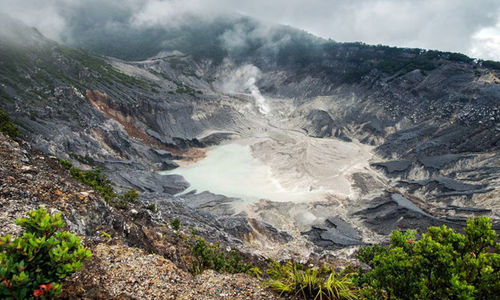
{"type": "Point", "coordinates": [468, 26]}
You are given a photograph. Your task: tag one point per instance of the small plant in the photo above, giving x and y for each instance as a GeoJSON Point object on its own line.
{"type": "Point", "coordinates": [33, 265]}
{"type": "Point", "coordinates": [105, 235]}
{"type": "Point", "coordinates": [176, 224]}
{"type": "Point", "coordinates": [122, 201]}
{"type": "Point", "coordinates": [119, 203]}
{"type": "Point", "coordinates": [255, 272]}
{"type": "Point", "coordinates": [210, 256]}
{"type": "Point", "coordinates": [311, 283]}
{"type": "Point", "coordinates": [93, 178]}
{"type": "Point", "coordinates": [193, 231]}
{"type": "Point", "coordinates": [84, 159]}
{"type": "Point", "coordinates": [152, 207]}
{"type": "Point", "coordinates": [6, 125]}
{"type": "Point", "coordinates": [66, 164]}
{"type": "Point", "coordinates": [99, 182]}
{"type": "Point", "coordinates": [130, 196]}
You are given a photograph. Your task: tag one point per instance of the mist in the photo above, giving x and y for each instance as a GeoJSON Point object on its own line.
{"type": "Point", "coordinates": [467, 26]}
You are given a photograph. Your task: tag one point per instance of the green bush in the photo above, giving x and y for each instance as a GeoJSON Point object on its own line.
{"type": "Point", "coordinates": [66, 164]}
{"type": "Point", "coordinates": [130, 196]}
{"type": "Point", "coordinates": [176, 224]}
{"type": "Point", "coordinates": [152, 207]}
{"type": "Point", "coordinates": [96, 180]}
{"type": "Point", "coordinates": [210, 256]}
{"type": "Point", "coordinates": [33, 265]}
{"type": "Point", "coordinates": [443, 264]}
{"type": "Point", "coordinates": [84, 159]}
{"type": "Point", "coordinates": [6, 125]}
{"type": "Point", "coordinates": [255, 272]}
{"type": "Point", "coordinates": [123, 200]}
{"type": "Point", "coordinates": [311, 283]}
{"type": "Point", "coordinates": [99, 182]}
{"type": "Point", "coordinates": [93, 178]}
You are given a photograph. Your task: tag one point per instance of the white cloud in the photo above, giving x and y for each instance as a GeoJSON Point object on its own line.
{"type": "Point", "coordinates": [468, 26]}
{"type": "Point", "coordinates": [486, 43]}
{"type": "Point", "coordinates": [41, 14]}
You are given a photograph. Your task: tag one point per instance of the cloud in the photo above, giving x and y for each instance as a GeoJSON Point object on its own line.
{"type": "Point", "coordinates": [240, 37]}
{"type": "Point", "coordinates": [468, 26]}
{"type": "Point", "coordinates": [486, 43]}
{"type": "Point", "coordinates": [175, 12]}
{"type": "Point", "coordinates": [41, 14]}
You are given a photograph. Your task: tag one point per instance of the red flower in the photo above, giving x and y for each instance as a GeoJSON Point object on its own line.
{"type": "Point", "coordinates": [7, 283]}
{"type": "Point", "coordinates": [46, 287]}
{"type": "Point", "coordinates": [411, 242]}
{"type": "Point", "coordinates": [37, 293]}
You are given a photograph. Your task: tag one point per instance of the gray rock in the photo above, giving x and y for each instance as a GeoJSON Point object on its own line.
{"type": "Point", "coordinates": [438, 162]}
{"type": "Point", "coordinates": [447, 184]}
{"type": "Point", "coordinates": [394, 165]}
{"type": "Point", "coordinates": [334, 232]}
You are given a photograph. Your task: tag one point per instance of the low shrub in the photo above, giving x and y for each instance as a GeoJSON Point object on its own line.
{"type": "Point", "coordinates": [33, 265]}
{"type": "Point", "coordinates": [99, 182]}
{"type": "Point", "coordinates": [130, 196]}
{"type": "Point", "coordinates": [6, 125]}
{"type": "Point", "coordinates": [255, 272]}
{"type": "Point", "coordinates": [125, 199]}
{"type": "Point", "coordinates": [84, 159]}
{"type": "Point", "coordinates": [152, 207]}
{"type": "Point", "coordinates": [93, 178]}
{"type": "Point", "coordinates": [210, 256]}
{"type": "Point", "coordinates": [176, 224]}
{"type": "Point", "coordinates": [105, 235]}
{"type": "Point", "coordinates": [311, 283]}
{"type": "Point", "coordinates": [443, 264]}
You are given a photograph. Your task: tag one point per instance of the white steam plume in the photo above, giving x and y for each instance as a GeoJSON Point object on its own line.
{"type": "Point", "coordinates": [243, 80]}
{"type": "Point", "coordinates": [260, 101]}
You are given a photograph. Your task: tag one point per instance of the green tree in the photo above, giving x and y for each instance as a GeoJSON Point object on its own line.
{"type": "Point", "coordinates": [33, 265]}
{"type": "Point", "coordinates": [443, 264]}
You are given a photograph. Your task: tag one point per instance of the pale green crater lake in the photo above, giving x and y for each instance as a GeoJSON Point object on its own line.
{"type": "Point", "coordinates": [231, 170]}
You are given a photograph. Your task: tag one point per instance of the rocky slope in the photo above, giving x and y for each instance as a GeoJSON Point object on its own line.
{"type": "Point", "coordinates": [432, 119]}
{"type": "Point", "coordinates": [144, 259]}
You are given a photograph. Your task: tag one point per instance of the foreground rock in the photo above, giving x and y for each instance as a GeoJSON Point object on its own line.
{"type": "Point", "coordinates": [120, 272]}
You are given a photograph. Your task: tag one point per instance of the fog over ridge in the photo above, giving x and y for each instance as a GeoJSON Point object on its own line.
{"type": "Point", "coordinates": [468, 26]}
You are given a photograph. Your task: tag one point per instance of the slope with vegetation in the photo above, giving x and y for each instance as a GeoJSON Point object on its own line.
{"type": "Point", "coordinates": [120, 240]}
